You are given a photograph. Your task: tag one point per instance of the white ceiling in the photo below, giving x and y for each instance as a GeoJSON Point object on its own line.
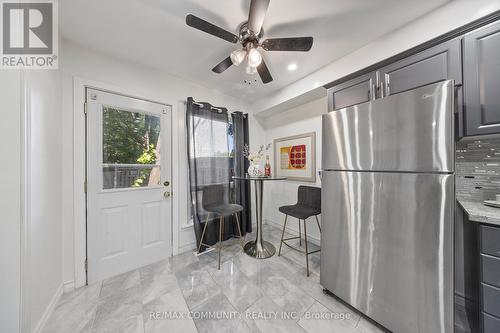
{"type": "Point", "coordinates": [154, 33]}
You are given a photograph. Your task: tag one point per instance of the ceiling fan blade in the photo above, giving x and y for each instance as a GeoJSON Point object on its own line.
{"type": "Point", "coordinates": [223, 65]}
{"type": "Point", "coordinates": [264, 73]}
{"type": "Point", "coordinates": [288, 44]}
{"type": "Point", "coordinates": [209, 28]}
{"type": "Point", "coordinates": [258, 10]}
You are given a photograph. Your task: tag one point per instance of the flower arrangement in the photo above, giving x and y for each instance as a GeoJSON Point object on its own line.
{"type": "Point", "coordinates": [254, 158]}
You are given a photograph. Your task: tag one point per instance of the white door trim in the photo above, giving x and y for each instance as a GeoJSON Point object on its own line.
{"type": "Point", "coordinates": [79, 163]}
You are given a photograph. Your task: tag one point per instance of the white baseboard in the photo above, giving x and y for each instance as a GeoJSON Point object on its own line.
{"type": "Point", "coordinates": [68, 286]}
{"type": "Point", "coordinates": [186, 247]}
{"type": "Point", "coordinates": [310, 238]}
{"type": "Point", "coordinates": [48, 311]}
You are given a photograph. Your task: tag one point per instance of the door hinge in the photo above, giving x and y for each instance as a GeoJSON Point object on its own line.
{"type": "Point", "coordinates": [85, 186]}
{"type": "Point", "coordinates": [85, 108]}
{"type": "Point", "coordinates": [86, 265]}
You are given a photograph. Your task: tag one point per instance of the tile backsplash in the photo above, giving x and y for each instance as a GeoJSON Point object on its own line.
{"type": "Point", "coordinates": [478, 169]}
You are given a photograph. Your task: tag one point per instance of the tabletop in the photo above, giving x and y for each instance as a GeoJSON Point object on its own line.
{"type": "Point", "coordinates": [247, 177]}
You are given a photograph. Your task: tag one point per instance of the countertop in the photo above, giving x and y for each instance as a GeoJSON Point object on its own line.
{"type": "Point", "coordinates": [478, 212]}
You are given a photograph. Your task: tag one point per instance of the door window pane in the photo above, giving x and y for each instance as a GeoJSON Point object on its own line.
{"type": "Point", "coordinates": [131, 149]}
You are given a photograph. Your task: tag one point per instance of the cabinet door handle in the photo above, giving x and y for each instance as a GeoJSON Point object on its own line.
{"type": "Point", "coordinates": [382, 89]}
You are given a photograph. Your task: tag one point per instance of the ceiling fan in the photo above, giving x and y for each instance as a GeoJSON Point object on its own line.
{"type": "Point", "coordinates": [250, 34]}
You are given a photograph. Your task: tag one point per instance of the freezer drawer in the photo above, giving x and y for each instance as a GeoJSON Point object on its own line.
{"type": "Point", "coordinates": [410, 131]}
{"type": "Point", "coordinates": [387, 246]}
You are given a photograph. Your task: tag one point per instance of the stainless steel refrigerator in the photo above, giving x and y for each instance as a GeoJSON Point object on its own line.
{"type": "Point", "coordinates": [388, 207]}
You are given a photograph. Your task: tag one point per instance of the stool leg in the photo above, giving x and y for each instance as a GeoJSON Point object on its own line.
{"type": "Point", "coordinates": [317, 221]}
{"type": "Point", "coordinates": [300, 234]}
{"type": "Point", "coordinates": [203, 233]}
{"type": "Point", "coordinates": [221, 226]}
{"type": "Point", "coordinates": [282, 235]}
{"type": "Point", "coordinates": [239, 228]}
{"type": "Point", "coordinates": [307, 252]}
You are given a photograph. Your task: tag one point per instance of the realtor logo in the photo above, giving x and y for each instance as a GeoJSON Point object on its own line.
{"type": "Point", "coordinates": [29, 34]}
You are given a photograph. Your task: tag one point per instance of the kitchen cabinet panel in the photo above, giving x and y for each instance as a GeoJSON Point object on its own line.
{"type": "Point", "coordinates": [490, 324]}
{"type": "Point", "coordinates": [482, 80]}
{"type": "Point", "coordinates": [490, 270]}
{"type": "Point", "coordinates": [491, 300]}
{"type": "Point", "coordinates": [358, 90]}
{"type": "Point", "coordinates": [439, 63]}
{"type": "Point", "coordinates": [490, 240]}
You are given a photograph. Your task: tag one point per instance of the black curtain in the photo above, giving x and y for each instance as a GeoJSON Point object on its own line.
{"type": "Point", "coordinates": [212, 153]}
{"type": "Point", "coordinates": [241, 164]}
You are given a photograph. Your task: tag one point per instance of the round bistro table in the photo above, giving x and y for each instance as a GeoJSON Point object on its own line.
{"type": "Point", "coordinates": [259, 248]}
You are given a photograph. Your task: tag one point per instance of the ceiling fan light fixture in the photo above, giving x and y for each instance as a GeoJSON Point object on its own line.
{"type": "Point", "coordinates": [251, 70]}
{"type": "Point", "coordinates": [254, 58]}
{"type": "Point", "coordinates": [237, 56]}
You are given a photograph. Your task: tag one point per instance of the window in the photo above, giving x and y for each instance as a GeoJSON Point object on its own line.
{"type": "Point", "coordinates": [131, 149]}
{"type": "Point", "coordinates": [212, 149]}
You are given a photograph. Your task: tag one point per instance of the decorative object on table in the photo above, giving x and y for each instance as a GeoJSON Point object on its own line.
{"type": "Point", "coordinates": [254, 158]}
{"type": "Point", "coordinates": [295, 157]}
{"type": "Point", "coordinates": [267, 167]}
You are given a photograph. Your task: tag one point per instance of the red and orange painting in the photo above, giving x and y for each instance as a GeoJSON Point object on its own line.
{"type": "Point", "coordinates": [293, 157]}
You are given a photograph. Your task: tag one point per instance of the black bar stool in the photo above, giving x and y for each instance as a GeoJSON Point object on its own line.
{"type": "Point", "coordinates": [308, 204]}
{"type": "Point", "coordinates": [215, 202]}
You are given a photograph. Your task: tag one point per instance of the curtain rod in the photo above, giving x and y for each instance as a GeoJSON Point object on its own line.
{"type": "Point", "coordinates": [219, 110]}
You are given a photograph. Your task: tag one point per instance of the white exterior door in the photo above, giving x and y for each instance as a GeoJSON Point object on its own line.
{"type": "Point", "coordinates": [128, 183]}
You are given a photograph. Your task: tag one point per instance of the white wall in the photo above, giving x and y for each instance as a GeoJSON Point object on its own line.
{"type": "Point", "coordinates": [10, 200]}
{"type": "Point", "coordinates": [143, 82]}
{"type": "Point", "coordinates": [301, 119]}
{"type": "Point", "coordinates": [440, 21]}
{"type": "Point", "coordinates": [31, 198]}
{"type": "Point", "coordinates": [45, 262]}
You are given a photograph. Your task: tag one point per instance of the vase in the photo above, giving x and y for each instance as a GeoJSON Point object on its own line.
{"type": "Point", "coordinates": [254, 170]}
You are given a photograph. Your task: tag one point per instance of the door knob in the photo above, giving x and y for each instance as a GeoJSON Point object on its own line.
{"type": "Point", "coordinates": [166, 183]}
{"type": "Point", "coordinates": [167, 194]}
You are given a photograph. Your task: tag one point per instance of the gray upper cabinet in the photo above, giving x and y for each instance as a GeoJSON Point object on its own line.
{"type": "Point", "coordinates": [482, 80]}
{"type": "Point", "coordinates": [441, 62]}
{"type": "Point", "coordinates": [472, 60]}
{"type": "Point", "coordinates": [358, 90]}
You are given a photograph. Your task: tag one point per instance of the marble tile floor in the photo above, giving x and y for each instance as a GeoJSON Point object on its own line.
{"type": "Point", "coordinates": [187, 293]}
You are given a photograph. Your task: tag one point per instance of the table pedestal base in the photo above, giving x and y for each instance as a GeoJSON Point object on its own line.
{"type": "Point", "coordinates": [259, 250]}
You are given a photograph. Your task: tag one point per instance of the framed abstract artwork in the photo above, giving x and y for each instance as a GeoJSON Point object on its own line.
{"type": "Point", "coordinates": [295, 157]}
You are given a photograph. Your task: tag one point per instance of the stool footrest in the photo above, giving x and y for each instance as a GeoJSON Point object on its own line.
{"type": "Point", "coordinates": [296, 249]}
{"type": "Point", "coordinates": [290, 238]}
